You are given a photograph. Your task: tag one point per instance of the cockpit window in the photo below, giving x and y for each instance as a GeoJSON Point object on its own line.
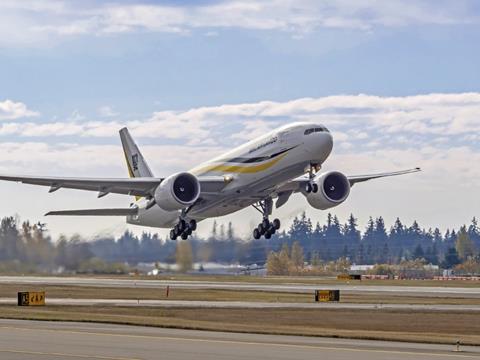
{"type": "Point", "coordinates": [317, 129]}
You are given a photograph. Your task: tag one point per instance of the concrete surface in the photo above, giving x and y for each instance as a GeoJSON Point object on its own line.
{"type": "Point", "coordinates": [249, 304]}
{"type": "Point", "coordinates": [20, 339]}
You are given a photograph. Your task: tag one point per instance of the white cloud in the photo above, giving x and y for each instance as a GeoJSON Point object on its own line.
{"type": "Point", "coordinates": [106, 111]}
{"type": "Point", "coordinates": [26, 22]}
{"type": "Point", "coordinates": [350, 117]}
{"type": "Point", "coordinates": [10, 110]}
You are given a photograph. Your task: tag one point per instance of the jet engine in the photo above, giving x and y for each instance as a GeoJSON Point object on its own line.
{"type": "Point", "coordinates": [333, 189]}
{"type": "Point", "coordinates": [177, 191]}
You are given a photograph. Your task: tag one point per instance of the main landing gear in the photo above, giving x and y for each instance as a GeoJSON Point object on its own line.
{"type": "Point", "coordinates": [311, 186]}
{"type": "Point", "coordinates": [183, 229]}
{"type": "Point", "coordinates": [266, 227]}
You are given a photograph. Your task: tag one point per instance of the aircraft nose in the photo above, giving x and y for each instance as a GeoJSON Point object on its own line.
{"type": "Point", "coordinates": [321, 146]}
{"type": "Point", "coordinates": [329, 142]}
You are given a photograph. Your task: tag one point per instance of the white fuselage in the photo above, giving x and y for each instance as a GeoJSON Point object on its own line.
{"type": "Point", "coordinates": [254, 170]}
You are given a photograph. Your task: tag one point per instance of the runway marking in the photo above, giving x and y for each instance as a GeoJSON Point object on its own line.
{"type": "Point", "coordinates": [239, 342]}
{"type": "Point", "coordinates": [63, 355]}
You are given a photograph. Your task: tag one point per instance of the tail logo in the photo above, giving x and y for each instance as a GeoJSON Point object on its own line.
{"type": "Point", "coordinates": [135, 161]}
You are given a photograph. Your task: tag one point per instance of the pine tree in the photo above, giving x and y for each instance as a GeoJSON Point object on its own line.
{"type": "Point", "coordinates": [230, 233]}
{"type": "Point", "coordinates": [333, 237]}
{"type": "Point", "coordinates": [397, 237]}
{"type": "Point", "coordinates": [474, 232]}
{"type": "Point", "coordinates": [222, 231]}
{"type": "Point", "coordinates": [361, 254]}
{"type": "Point", "coordinates": [351, 234]}
{"type": "Point", "coordinates": [451, 259]}
{"type": "Point", "coordinates": [214, 229]}
{"type": "Point", "coordinates": [418, 253]}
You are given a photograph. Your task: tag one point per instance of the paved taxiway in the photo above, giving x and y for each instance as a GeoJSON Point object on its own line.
{"type": "Point", "coordinates": [250, 304]}
{"type": "Point", "coordinates": [59, 340]}
{"type": "Point", "coordinates": [290, 287]}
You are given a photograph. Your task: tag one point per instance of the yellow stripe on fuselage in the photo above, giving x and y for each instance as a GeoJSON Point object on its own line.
{"type": "Point", "coordinates": [245, 169]}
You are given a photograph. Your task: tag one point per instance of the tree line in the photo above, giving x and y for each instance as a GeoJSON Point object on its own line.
{"type": "Point", "coordinates": [27, 247]}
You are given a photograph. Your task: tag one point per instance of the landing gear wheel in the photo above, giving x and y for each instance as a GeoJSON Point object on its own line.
{"type": "Point", "coordinates": [276, 224]}
{"type": "Point", "coordinates": [182, 225]}
{"type": "Point", "coordinates": [315, 188]}
{"type": "Point", "coordinates": [272, 230]}
{"type": "Point", "coordinates": [260, 229]}
{"type": "Point", "coordinates": [308, 188]}
{"type": "Point", "coordinates": [183, 228]}
{"type": "Point", "coordinates": [267, 228]}
{"type": "Point", "coordinates": [265, 224]}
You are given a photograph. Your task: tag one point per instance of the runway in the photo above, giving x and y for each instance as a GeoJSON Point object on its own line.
{"type": "Point", "coordinates": [250, 304]}
{"type": "Point", "coordinates": [59, 340]}
{"type": "Point", "coordinates": [284, 287]}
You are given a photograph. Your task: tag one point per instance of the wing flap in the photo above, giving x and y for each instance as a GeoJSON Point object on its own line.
{"type": "Point", "coordinates": [95, 212]}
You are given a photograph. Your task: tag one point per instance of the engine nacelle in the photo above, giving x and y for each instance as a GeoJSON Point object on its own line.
{"type": "Point", "coordinates": [333, 189]}
{"type": "Point", "coordinates": [177, 191]}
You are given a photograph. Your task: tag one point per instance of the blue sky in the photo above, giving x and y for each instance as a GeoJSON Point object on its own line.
{"type": "Point", "coordinates": [397, 82]}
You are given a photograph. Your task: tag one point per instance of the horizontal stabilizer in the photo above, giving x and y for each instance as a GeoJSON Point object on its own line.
{"type": "Point", "coordinates": [96, 212]}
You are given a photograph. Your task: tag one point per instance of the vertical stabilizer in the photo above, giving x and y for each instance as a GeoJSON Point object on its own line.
{"type": "Point", "coordinates": [137, 166]}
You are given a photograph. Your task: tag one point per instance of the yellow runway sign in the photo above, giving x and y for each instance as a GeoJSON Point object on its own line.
{"type": "Point", "coordinates": [31, 298]}
{"type": "Point", "coordinates": [327, 295]}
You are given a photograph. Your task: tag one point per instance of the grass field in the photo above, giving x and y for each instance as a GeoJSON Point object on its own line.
{"type": "Point", "coordinates": [312, 280]}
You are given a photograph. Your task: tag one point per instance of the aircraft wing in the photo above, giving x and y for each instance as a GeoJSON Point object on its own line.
{"type": "Point", "coordinates": [139, 186]}
{"type": "Point", "coordinates": [104, 186]}
{"type": "Point", "coordinates": [284, 191]}
{"type": "Point", "coordinates": [361, 178]}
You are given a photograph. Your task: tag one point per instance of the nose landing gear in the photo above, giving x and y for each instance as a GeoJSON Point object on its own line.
{"type": "Point", "coordinates": [266, 227]}
{"type": "Point", "coordinates": [311, 186]}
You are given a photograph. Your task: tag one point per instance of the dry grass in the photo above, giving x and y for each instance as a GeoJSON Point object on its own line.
{"type": "Point", "coordinates": [424, 326]}
{"type": "Point", "coordinates": [86, 292]}
{"type": "Point", "coordinates": [312, 280]}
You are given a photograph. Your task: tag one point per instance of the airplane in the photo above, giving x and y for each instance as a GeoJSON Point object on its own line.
{"type": "Point", "coordinates": [272, 167]}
